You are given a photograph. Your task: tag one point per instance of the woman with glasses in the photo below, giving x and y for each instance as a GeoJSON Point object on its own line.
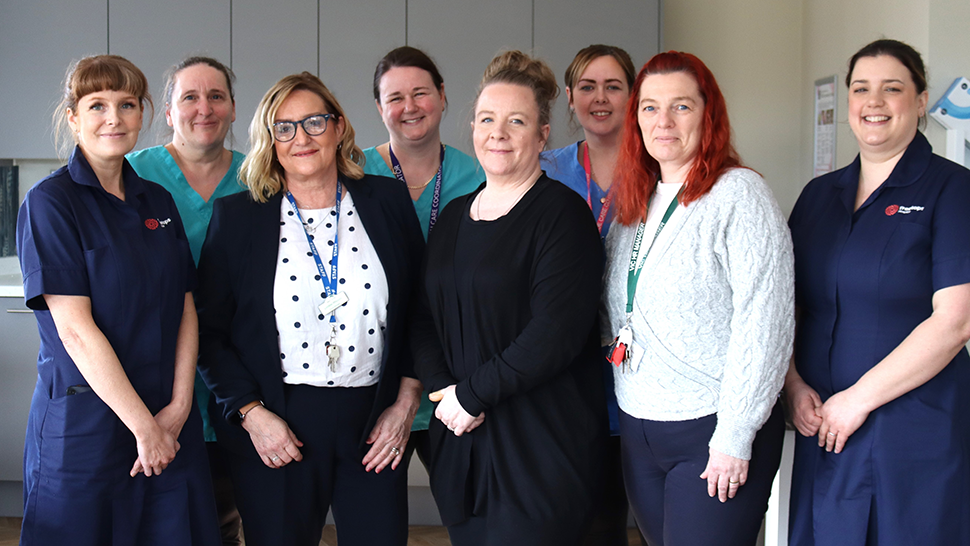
{"type": "Point", "coordinates": [196, 168]}
{"type": "Point", "coordinates": [304, 283]}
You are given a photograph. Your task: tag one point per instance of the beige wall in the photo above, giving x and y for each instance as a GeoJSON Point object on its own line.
{"type": "Point", "coordinates": [766, 55]}
{"type": "Point", "coordinates": [754, 50]}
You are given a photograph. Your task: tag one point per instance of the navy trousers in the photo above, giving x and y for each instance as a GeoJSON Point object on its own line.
{"type": "Point", "coordinates": [662, 464]}
{"type": "Point", "coordinates": [369, 509]}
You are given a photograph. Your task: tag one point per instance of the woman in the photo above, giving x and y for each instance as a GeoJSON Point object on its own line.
{"type": "Point", "coordinates": [410, 97]}
{"type": "Point", "coordinates": [114, 451]}
{"type": "Point", "coordinates": [702, 344]}
{"type": "Point", "coordinates": [303, 343]}
{"type": "Point", "coordinates": [196, 168]}
{"type": "Point", "coordinates": [880, 376]}
{"type": "Point", "coordinates": [598, 84]}
{"type": "Point", "coordinates": [511, 284]}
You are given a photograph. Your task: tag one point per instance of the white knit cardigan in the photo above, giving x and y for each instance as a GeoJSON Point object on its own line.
{"type": "Point", "coordinates": [713, 316]}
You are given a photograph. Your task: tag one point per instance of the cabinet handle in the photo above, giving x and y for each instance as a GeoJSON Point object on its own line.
{"type": "Point", "coordinates": [22, 311]}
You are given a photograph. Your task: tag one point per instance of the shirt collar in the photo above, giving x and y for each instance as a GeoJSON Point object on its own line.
{"type": "Point", "coordinates": [82, 173]}
{"type": "Point", "coordinates": [910, 168]}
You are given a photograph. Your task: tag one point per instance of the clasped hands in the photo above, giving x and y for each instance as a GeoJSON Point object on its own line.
{"type": "Point", "coordinates": [450, 412]}
{"type": "Point", "coordinates": [834, 421]}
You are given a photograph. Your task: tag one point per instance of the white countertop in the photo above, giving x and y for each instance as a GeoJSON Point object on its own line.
{"type": "Point", "coordinates": [11, 283]}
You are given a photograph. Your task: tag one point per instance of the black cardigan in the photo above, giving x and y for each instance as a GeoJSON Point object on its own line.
{"type": "Point", "coordinates": [531, 363]}
{"type": "Point", "coordinates": [238, 347]}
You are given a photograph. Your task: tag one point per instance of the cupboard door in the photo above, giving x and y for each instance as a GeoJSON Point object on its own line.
{"type": "Point", "coordinates": [18, 376]}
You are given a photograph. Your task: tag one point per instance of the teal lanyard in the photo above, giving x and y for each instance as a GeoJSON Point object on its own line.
{"type": "Point", "coordinates": [636, 263]}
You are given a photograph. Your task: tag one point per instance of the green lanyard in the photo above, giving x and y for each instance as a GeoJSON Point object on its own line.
{"type": "Point", "coordinates": [636, 263]}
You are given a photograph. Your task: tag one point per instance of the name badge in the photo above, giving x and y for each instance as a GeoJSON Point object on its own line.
{"type": "Point", "coordinates": [330, 304]}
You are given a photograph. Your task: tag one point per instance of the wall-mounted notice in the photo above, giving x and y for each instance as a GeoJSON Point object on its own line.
{"type": "Point", "coordinates": [825, 101]}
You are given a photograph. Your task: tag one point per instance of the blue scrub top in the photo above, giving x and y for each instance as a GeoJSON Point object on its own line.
{"type": "Point", "coordinates": [563, 164]}
{"type": "Point", "coordinates": [864, 281]}
{"type": "Point", "coordinates": [131, 258]}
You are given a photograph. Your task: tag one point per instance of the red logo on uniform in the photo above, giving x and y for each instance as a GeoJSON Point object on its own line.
{"type": "Point", "coordinates": [151, 223]}
{"type": "Point", "coordinates": [892, 209]}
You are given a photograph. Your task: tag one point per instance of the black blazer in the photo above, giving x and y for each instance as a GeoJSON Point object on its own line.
{"type": "Point", "coordinates": [238, 348]}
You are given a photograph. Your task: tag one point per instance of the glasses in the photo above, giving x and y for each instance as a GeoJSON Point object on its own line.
{"type": "Point", "coordinates": [284, 131]}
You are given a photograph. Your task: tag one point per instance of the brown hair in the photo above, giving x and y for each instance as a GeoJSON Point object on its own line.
{"type": "Point", "coordinates": [91, 75]}
{"type": "Point", "coordinates": [517, 68]}
{"type": "Point", "coordinates": [406, 56]}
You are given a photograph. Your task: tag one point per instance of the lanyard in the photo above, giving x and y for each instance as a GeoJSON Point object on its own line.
{"type": "Point", "coordinates": [436, 196]}
{"type": "Point", "coordinates": [329, 283]}
{"type": "Point", "coordinates": [589, 187]}
{"type": "Point", "coordinates": [636, 263]}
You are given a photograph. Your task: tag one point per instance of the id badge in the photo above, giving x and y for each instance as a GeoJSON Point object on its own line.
{"type": "Point", "coordinates": [330, 304]}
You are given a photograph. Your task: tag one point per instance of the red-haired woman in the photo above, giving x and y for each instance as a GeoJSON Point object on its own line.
{"type": "Point", "coordinates": [707, 331]}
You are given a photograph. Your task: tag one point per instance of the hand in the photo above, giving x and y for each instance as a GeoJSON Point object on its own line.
{"type": "Point", "coordinates": [275, 443]}
{"type": "Point", "coordinates": [389, 438]}
{"type": "Point", "coordinates": [725, 475]}
{"type": "Point", "coordinates": [803, 404]}
{"type": "Point", "coordinates": [450, 412]}
{"type": "Point", "coordinates": [156, 449]}
{"type": "Point", "coordinates": [842, 415]}
{"type": "Point", "coordinates": [172, 418]}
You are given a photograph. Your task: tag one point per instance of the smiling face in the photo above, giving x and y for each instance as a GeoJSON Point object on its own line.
{"type": "Point", "coordinates": [308, 158]}
{"type": "Point", "coordinates": [506, 132]}
{"type": "Point", "coordinates": [410, 105]}
{"type": "Point", "coordinates": [200, 109]}
{"type": "Point", "coordinates": [670, 114]}
{"type": "Point", "coordinates": [599, 95]}
{"type": "Point", "coordinates": [884, 107]}
{"type": "Point", "coordinates": [106, 124]}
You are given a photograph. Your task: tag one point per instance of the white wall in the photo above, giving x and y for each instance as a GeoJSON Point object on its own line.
{"type": "Point", "coordinates": [754, 50]}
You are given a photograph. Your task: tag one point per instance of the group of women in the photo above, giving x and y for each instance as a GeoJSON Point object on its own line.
{"type": "Point", "coordinates": [335, 285]}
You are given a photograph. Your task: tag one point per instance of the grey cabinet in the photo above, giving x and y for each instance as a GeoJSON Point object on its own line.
{"type": "Point", "coordinates": [18, 375]}
{"type": "Point", "coordinates": [156, 35]}
{"type": "Point", "coordinates": [38, 39]}
{"type": "Point", "coordinates": [269, 40]}
{"type": "Point", "coordinates": [563, 27]}
{"type": "Point", "coordinates": [462, 36]}
{"type": "Point", "coordinates": [353, 38]}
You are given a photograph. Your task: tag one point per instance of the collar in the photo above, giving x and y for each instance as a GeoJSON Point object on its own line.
{"type": "Point", "coordinates": [82, 173]}
{"type": "Point", "coordinates": [910, 168]}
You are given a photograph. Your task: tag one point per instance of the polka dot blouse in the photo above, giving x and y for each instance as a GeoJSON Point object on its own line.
{"type": "Point", "coordinates": [298, 293]}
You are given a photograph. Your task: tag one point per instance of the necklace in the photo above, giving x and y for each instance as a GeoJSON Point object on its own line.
{"type": "Point", "coordinates": [418, 187]}
{"type": "Point", "coordinates": [478, 204]}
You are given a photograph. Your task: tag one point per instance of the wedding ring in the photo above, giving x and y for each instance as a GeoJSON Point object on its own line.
{"type": "Point", "coordinates": [831, 434]}
{"type": "Point", "coordinates": [275, 458]}
{"type": "Point", "coordinates": [395, 451]}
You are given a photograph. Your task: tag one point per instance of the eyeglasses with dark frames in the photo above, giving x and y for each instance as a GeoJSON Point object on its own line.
{"type": "Point", "coordinates": [315, 125]}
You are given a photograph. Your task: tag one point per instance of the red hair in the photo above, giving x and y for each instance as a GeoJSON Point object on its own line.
{"type": "Point", "coordinates": [637, 171]}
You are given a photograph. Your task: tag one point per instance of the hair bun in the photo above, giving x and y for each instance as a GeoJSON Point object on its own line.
{"type": "Point", "coordinates": [517, 68]}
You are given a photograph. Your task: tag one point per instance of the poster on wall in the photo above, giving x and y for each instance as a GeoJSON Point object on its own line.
{"type": "Point", "coordinates": [825, 101]}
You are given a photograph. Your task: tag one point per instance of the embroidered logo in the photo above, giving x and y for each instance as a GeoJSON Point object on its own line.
{"type": "Point", "coordinates": [154, 224]}
{"type": "Point", "coordinates": [893, 209]}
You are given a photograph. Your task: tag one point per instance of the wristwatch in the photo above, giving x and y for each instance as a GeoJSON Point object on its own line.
{"type": "Point", "coordinates": [242, 414]}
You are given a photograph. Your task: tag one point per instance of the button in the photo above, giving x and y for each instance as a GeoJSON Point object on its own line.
{"type": "Point", "coordinates": [602, 199]}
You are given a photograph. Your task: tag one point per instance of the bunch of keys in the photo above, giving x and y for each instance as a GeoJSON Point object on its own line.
{"type": "Point", "coordinates": [619, 351]}
{"type": "Point", "coordinates": [328, 307]}
{"type": "Point", "coordinates": [333, 352]}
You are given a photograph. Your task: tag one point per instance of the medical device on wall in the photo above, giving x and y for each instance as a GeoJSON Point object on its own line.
{"type": "Point", "coordinates": [952, 111]}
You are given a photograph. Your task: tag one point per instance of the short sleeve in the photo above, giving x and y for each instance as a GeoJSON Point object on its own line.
{"type": "Point", "coordinates": [49, 245]}
{"type": "Point", "coordinates": [951, 233]}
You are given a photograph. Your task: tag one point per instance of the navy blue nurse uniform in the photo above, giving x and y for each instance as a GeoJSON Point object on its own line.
{"type": "Point", "coordinates": [864, 281]}
{"type": "Point", "coordinates": [132, 259]}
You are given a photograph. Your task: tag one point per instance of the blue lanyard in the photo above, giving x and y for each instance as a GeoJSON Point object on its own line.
{"type": "Point", "coordinates": [436, 196]}
{"type": "Point", "coordinates": [329, 284]}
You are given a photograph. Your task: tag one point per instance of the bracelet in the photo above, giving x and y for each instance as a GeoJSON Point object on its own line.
{"type": "Point", "coordinates": [242, 416]}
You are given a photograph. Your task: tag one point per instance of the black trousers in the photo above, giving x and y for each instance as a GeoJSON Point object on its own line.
{"type": "Point", "coordinates": [662, 464]}
{"type": "Point", "coordinates": [289, 505]}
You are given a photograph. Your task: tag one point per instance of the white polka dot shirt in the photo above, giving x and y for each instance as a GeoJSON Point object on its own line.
{"type": "Point", "coordinates": [298, 293]}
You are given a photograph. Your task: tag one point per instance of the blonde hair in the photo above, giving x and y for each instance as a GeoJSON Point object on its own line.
{"type": "Point", "coordinates": [261, 172]}
{"type": "Point", "coordinates": [517, 68]}
{"type": "Point", "coordinates": [91, 75]}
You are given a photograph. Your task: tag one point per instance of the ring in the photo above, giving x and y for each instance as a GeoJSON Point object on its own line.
{"type": "Point", "coordinates": [395, 451]}
{"type": "Point", "coordinates": [275, 458]}
{"type": "Point", "coordinates": [831, 434]}
{"type": "Point", "coordinates": [732, 482]}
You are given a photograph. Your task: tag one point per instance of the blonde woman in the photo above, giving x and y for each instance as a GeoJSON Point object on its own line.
{"type": "Point", "coordinates": [304, 285]}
